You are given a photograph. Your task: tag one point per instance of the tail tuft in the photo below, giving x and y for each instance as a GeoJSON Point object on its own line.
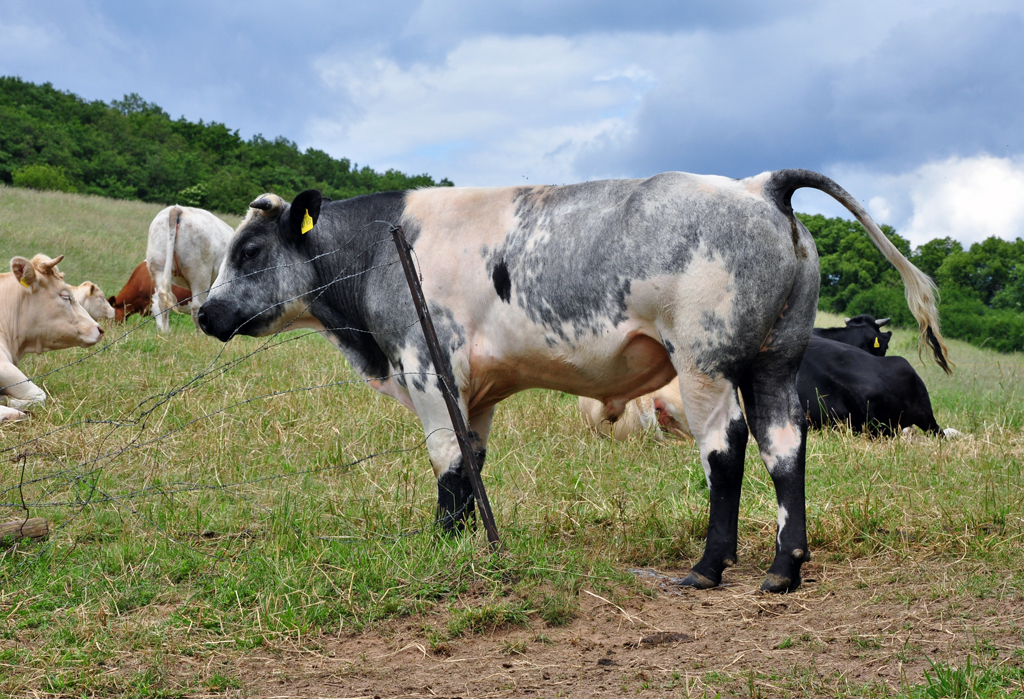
{"type": "Point", "coordinates": [939, 350]}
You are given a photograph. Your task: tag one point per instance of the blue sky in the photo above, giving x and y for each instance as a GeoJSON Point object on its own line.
{"type": "Point", "coordinates": [915, 107]}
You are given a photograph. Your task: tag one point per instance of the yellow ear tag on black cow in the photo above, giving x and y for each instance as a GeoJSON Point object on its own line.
{"type": "Point", "coordinates": [876, 343]}
{"type": "Point", "coordinates": [307, 223]}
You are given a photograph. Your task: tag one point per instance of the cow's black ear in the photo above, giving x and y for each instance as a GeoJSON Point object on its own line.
{"type": "Point", "coordinates": [303, 214]}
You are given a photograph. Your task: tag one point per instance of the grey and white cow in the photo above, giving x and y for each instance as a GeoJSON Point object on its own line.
{"type": "Point", "coordinates": [605, 289]}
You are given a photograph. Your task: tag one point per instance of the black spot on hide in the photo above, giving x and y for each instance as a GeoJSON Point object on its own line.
{"type": "Point", "coordinates": [502, 282]}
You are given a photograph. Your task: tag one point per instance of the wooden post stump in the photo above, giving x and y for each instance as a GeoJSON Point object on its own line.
{"type": "Point", "coordinates": [35, 528]}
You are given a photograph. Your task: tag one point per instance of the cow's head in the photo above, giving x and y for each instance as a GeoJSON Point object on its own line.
{"type": "Point", "coordinates": [56, 320]}
{"type": "Point", "coordinates": [870, 336]}
{"type": "Point", "coordinates": [119, 311]}
{"type": "Point", "coordinates": [91, 298]}
{"type": "Point", "coordinates": [266, 274]}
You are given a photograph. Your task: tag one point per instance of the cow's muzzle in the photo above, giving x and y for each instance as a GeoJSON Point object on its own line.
{"type": "Point", "coordinates": [212, 323]}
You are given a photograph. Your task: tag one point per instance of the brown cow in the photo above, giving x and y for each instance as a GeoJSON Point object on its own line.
{"type": "Point", "coordinates": [38, 313]}
{"type": "Point", "coordinates": [137, 295]}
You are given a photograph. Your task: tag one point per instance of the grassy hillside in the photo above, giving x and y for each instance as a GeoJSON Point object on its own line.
{"type": "Point", "coordinates": [103, 239]}
{"type": "Point", "coordinates": [209, 500]}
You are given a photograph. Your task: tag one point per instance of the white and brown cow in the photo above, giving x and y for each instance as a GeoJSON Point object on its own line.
{"type": "Point", "coordinates": [659, 414]}
{"type": "Point", "coordinates": [92, 300]}
{"type": "Point", "coordinates": [604, 289]}
{"type": "Point", "coordinates": [186, 247]}
{"type": "Point", "coordinates": [38, 313]}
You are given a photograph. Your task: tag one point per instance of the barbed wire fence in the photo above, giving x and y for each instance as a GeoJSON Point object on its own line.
{"type": "Point", "coordinates": [84, 478]}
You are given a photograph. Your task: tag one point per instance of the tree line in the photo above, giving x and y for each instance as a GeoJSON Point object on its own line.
{"type": "Point", "coordinates": [132, 149]}
{"type": "Point", "coordinates": [981, 287]}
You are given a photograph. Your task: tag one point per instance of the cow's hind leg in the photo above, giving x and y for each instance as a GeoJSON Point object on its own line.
{"type": "Point", "coordinates": [779, 425]}
{"type": "Point", "coordinates": [715, 417]}
{"type": "Point", "coordinates": [161, 312]}
{"type": "Point", "coordinates": [780, 428]}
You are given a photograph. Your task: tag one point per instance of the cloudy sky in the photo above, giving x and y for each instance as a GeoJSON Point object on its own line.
{"type": "Point", "coordinates": [917, 108]}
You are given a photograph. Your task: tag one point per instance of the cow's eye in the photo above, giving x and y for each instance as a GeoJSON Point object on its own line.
{"type": "Point", "coordinates": [250, 251]}
{"type": "Point", "coordinates": [67, 297]}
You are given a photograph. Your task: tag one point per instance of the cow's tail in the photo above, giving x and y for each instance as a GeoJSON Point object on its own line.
{"type": "Point", "coordinates": [163, 280]}
{"type": "Point", "coordinates": [920, 289]}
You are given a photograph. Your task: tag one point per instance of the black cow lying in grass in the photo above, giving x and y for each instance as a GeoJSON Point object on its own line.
{"type": "Point", "coordinates": [845, 378]}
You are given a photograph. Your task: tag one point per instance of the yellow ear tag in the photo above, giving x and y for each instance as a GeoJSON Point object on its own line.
{"type": "Point", "coordinates": [307, 223]}
{"type": "Point", "coordinates": [25, 283]}
{"type": "Point", "coordinates": [876, 343]}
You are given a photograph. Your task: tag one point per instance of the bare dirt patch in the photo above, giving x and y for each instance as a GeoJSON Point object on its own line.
{"type": "Point", "coordinates": [855, 625]}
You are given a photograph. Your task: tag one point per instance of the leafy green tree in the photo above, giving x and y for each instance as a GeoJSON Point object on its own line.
{"type": "Point", "coordinates": [988, 268]}
{"type": "Point", "coordinates": [930, 256]}
{"type": "Point", "coordinates": [850, 262]}
{"type": "Point", "coordinates": [42, 177]}
{"type": "Point", "coordinates": [132, 149]}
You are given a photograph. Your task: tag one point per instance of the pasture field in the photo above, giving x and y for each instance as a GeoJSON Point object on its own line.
{"type": "Point", "coordinates": [249, 519]}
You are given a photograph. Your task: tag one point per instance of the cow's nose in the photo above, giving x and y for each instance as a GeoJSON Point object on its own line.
{"type": "Point", "coordinates": [100, 327]}
{"type": "Point", "coordinates": [201, 319]}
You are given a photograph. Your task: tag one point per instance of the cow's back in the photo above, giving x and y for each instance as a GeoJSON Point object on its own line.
{"type": "Point", "coordinates": [580, 263]}
{"type": "Point", "coordinates": [201, 240]}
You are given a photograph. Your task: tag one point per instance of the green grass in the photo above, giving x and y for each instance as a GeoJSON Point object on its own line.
{"type": "Point", "coordinates": [969, 682]}
{"type": "Point", "coordinates": [244, 509]}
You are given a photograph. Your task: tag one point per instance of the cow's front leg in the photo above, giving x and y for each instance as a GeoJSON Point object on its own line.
{"type": "Point", "coordinates": [714, 414]}
{"type": "Point", "coordinates": [19, 391]}
{"type": "Point", "coordinates": [455, 501]}
{"type": "Point", "coordinates": [11, 415]}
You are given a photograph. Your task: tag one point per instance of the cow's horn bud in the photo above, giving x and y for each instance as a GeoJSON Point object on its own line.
{"type": "Point", "coordinates": [882, 321]}
{"type": "Point", "coordinates": [269, 204]}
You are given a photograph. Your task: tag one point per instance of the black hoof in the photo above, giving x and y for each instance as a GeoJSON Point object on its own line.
{"type": "Point", "coordinates": [784, 575]}
{"type": "Point", "coordinates": [697, 581]}
{"type": "Point", "coordinates": [455, 503]}
{"type": "Point", "coordinates": [454, 523]}
{"type": "Point", "coordinates": [779, 584]}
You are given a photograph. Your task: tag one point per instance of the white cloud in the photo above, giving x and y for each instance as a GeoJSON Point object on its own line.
{"type": "Point", "coordinates": [495, 111]}
{"type": "Point", "coordinates": [968, 199]}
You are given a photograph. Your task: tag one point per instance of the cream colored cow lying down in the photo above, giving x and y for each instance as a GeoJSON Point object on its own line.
{"type": "Point", "coordinates": [93, 301]}
{"type": "Point", "coordinates": [660, 413]}
{"type": "Point", "coordinates": [38, 313]}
